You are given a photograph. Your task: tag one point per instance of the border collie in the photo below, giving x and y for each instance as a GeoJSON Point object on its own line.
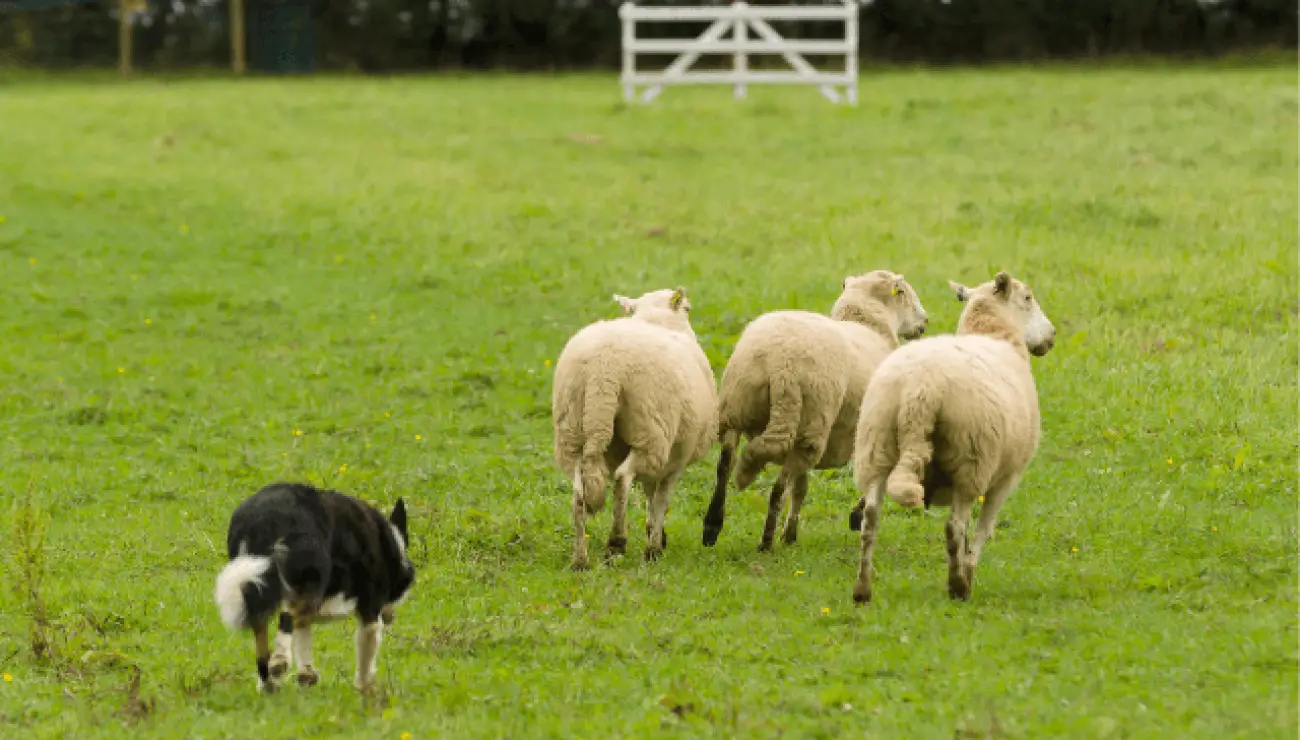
{"type": "Point", "coordinates": [312, 555]}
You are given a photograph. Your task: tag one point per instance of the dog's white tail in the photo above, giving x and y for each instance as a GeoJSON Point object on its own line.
{"type": "Point", "coordinates": [243, 571]}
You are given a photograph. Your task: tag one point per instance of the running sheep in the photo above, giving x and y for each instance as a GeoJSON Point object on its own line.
{"type": "Point", "coordinates": [954, 418]}
{"type": "Point", "coordinates": [634, 397]}
{"type": "Point", "coordinates": [793, 386]}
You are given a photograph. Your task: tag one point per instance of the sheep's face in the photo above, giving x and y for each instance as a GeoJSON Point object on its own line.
{"type": "Point", "coordinates": [896, 294]}
{"type": "Point", "coordinates": [668, 307]}
{"type": "Point", "coordinates": [1019, 302]}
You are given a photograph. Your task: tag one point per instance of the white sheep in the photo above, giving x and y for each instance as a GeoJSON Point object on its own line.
{"type": "Point", "coordinates": [963, 407]}
{"type": "Point", "coordinates": [635, 396]}
{"type": "Point", "coordinates": [793, 385]}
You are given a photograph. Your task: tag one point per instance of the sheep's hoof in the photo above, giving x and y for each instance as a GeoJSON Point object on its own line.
{"type": "Point", "coordinates": [790, 536]}
{"type": "Point", "coordinates": [308, 677]}
{"type": "Point", "coordinates": [579, 564]}
{"type": "Point", "coordinates": [855, 519]}
{"type": "Point", "coordinates": [616, 546]}
{"type": "Point", "coordinates": [765, 546]}
{"type": "Point", "coordinates": [958, 589]}
{"type": "Point", "coordinates": [711, 532]}
{"type": "Point", "coordinates": [653, 553]}
{"type": "Point", "coordinates": [861, 593]}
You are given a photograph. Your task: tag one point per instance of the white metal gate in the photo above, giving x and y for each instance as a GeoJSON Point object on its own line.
{"type": "Point", "coordinates": [740, 18]}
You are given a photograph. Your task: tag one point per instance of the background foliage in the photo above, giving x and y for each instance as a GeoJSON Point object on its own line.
{"type": "Point", "coordinates": [392, 35]}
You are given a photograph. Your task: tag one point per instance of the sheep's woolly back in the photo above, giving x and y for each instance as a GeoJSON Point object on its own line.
{"type": "Point", "coordinates": [982, 389]}
{"type": "Point", "coordinates": [641, 383]}
{"type": "Point", "coordinates": [795, 379]}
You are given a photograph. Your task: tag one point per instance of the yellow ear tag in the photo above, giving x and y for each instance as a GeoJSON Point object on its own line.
{"type": "Point", "coordinates": [895, 291]}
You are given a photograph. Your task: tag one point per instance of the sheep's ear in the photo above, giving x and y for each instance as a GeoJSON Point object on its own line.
{"type": "Point", "coordinates": [961, 290]}
{"type": "Point", "coordinates": [678, 299]}
{"type": "Point", "coordinates": [398, 518]}
{"type": "Point", "coordinates": [844, 285]}
{"type": "Point", "coordinates": [627, 303]}
{"type": "Point", "coordinates": [1001, 283]}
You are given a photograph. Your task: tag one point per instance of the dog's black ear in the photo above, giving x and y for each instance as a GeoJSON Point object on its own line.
{"type": "Point", "coordinates": [398, 518]}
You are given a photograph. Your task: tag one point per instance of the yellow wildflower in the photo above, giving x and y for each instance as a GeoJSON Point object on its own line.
{"type": "Point", "coordinates": [826, 610]}
{"type": "Point", "coordinates": [418, 438]}
{"type": "Point", "coordinates": [148, 321]}
{"type": "Point", "coordinates": [121, 369]}
{"type": "Point", "coordinates": [343, 468]}
{"type": "Point", "coordinates": [1214, 529]}
{"type": "Point", "coordinates": [798, 572]}
{"type": "Point", "coordinates": [1074, 549]}
{"type": "Point", "coordinates": [9, 677]}
{"type": "Point", "coordinates": [297, 432]}
{"type": "Point", "coordinates": [406, 736]}
{"type": "Point", "coordinates": [546, 363]}
{"type": "Point", "coordinates": [1169, 461]}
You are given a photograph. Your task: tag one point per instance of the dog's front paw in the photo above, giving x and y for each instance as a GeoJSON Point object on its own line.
{"type": "Point", "coordinates": [308, 676]}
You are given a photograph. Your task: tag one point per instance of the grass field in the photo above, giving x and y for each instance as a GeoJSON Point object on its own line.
{"type": "Point", "coordinates": [212, 285]}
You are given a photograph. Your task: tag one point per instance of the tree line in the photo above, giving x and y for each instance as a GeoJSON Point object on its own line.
{"type": "Point", "coordinates": [403, 35]}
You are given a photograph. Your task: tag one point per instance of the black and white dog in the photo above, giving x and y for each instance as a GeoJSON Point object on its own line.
{"type": "Point", "coordinates": [312, 555]}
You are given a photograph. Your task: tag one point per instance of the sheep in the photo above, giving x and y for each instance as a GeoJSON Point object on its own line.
{"type": "Point", "coordinates": [793, 385]}
{"type": "Point", "coordinates": [961, 408]}
{"type": "Point", "coordinates": [635, 396]}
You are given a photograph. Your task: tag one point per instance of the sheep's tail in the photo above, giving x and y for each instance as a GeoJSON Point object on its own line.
{"type": "Point", "coordinates": [714, 517]}
{"type": "Point", "coordinates": [785, 406]}
{"type": "Point", "coordinates": [248, 590]}
{"type": "Point", "coordinates": [918, 407]}
{"type": "Point", "coordinates": [599, 405]}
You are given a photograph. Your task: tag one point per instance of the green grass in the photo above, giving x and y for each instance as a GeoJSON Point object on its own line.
{"type": "Point", "coordinates": [211, 285]}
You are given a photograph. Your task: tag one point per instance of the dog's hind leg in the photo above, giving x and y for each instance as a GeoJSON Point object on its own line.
{"type": "Point", "coordinates": [307, 675]}
{"type": "Point", "coordinates": [280, 656]}
{"type": "Point", "coordinates": [262, 641]}
{"type": "Point", "coordinates": [369, 636]}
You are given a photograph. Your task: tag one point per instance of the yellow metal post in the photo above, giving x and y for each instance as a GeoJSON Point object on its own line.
{"type": "Point", "coordinates": [124, 8]}
{"type": "Point", "coordinates": [237, 62]}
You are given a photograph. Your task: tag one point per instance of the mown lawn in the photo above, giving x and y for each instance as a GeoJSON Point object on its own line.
{"type": "Point", "coordinates": [211, 285]}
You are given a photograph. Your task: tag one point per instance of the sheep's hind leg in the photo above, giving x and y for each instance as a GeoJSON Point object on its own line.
{"type": "Point", "coordinates": [617, 544]}
{"type": "Point", "coordinates": [579, 561]}
{"type": "Point", "coordinates": [716, 514]}
{"type": "Point", "coordinates": [958, 545]}
{"type": "Point", "coordinates": [871, 501]}
{"type": "Point", "coordinates": [657, 512]}
{"type": "Point", "coordinates": [797, 493]}
{"type": "Point", "coordinates": [774, 500]}
{"type": "Point", "coordinates": [984, 526]}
